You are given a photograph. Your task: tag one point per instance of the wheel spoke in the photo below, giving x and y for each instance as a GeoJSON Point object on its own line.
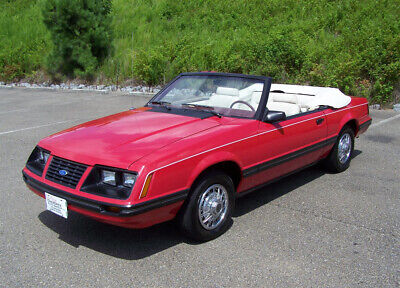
{"type": "Point", "coordinates": [207, 218]}
{"type": "Point", "coordinates": [213, 206]}
{"type": "Point", "coordinates": [344, 148]}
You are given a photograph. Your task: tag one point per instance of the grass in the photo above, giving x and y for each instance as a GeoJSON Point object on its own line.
{"type": "Point", "coordinates": [353, 45]}
{"type": "Point", "coordinates": [23, 42]}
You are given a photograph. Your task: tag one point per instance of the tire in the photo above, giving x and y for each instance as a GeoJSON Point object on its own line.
{"type": "Point", "coordinates": [212, 199]}
{"type": "Point", "coordinates": [341, 154]}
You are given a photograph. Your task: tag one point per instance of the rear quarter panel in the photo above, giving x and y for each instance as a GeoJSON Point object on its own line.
{"type": "Point", "coordinates": [337, 118]}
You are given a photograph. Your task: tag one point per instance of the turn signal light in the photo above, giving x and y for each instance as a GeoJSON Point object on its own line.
{"type": "Point", "coordinates": [146, 186]}
{"type": "Point", "coordinates": [112, 209]}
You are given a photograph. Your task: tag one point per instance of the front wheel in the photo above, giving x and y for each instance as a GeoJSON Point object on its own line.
{"type": "Point", "coordinates": [208, 212]}
{"type": "Point", "coordinates": [340, 156]}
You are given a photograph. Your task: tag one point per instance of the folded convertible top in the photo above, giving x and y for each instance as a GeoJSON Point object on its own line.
{"type": "Point", "coordinates": [324, 96]}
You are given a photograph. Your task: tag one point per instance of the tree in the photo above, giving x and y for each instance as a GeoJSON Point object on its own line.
{"type": "Point", "coordinates": [81, 35]}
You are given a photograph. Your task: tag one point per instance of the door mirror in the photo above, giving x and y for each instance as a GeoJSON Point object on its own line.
{"type": "Point", "coordinates": [274, 116]}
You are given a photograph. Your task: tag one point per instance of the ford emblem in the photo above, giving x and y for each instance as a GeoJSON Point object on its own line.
{"type": "Point", "coordinates": [63, 172]}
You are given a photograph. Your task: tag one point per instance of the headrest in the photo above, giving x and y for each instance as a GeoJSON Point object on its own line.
{"type": "Point", "coordinates": [282, 97]}
{"type": "Point", "coordinates": [227, 91]}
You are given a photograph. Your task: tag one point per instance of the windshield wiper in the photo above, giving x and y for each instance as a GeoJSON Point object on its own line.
{"type": "Point", "coordinates": [207, 108]}
{"type": "Point", "coordinates": [162, 104]}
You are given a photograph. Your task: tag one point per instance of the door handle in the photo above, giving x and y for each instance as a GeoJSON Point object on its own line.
{"type": "Point", "coordinates": [319, 121]}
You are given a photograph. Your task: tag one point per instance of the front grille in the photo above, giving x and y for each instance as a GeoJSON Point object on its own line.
{"type": "Point", "coordinates": [71, 178]}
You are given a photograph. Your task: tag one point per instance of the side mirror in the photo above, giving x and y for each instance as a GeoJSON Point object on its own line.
{"type": "Point", "coordinates": [274, 116]}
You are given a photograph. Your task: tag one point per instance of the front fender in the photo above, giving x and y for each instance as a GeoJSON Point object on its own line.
{"type": "Point", "coordinates": [211, 160]}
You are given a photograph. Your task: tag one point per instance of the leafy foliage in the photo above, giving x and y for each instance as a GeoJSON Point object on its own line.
{"type": "Point", "coordinates": [353, 45]}
{"type": "Point", "coordinates": [80, 32]}
{"type": "Point", "coordinates": [350, 44]}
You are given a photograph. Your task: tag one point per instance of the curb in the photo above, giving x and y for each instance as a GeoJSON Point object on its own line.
{"type": "Point", "coordinates": [140, 90]}
{"type": "Point", "coordinates": [102, 91]}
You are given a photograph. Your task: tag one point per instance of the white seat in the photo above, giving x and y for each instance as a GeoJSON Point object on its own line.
{"type": "Point", "coordinates": [288, 108]}
{"type": "Point", "coordinates": [277, 102]}
{"type": "Point", "coordinates": [227, 91]}
{"type": "Point", "coordinates": [303, 101]}
{"type": "Point", "coordinates": [287, 103]}
{"type": "Point", "coordinates": [224, 97]}
{"type": "Point", "coordinates": [255, 99]}
{"type": "Point", "coordinates": [245, 94]}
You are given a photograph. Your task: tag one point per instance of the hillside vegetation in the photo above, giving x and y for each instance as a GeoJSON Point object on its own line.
{"type": "Point", "coordinates": [353, 45]}
{"type": "Point", "coordinates": [23, 41]}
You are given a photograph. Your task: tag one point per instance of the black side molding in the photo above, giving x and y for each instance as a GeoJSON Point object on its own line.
{"type": "Point", "coordinates": [365, 125]}
{"type": "Point", "coordinates": [250, 190]}
{"type": "Point", "coordinates": [99, 207]}
{"type": "Point", "coordinates": [288, 157]}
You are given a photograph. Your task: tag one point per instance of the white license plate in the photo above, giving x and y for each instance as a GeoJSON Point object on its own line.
{"type": "Point", "coordinates": [56, 205]}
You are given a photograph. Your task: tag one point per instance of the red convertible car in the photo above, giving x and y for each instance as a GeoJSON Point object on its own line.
{"type": "Point", "coordinates": [197, 145]}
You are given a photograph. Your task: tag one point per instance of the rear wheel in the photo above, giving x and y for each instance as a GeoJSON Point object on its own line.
{"type": "Point", "coordinates": [340, 156]}
{"type": "Point", "coordinates": [208, 212]}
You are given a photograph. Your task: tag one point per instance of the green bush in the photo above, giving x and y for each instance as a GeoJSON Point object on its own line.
{"type": "Point", "coordinates": [81, 35]}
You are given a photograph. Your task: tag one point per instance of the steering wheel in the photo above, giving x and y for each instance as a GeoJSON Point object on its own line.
{"type": "Point", "coordinates": [243, 102]}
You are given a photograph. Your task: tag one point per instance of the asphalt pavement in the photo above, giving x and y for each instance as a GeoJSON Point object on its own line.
{"type": "Point", "coordinates": [312, 229]}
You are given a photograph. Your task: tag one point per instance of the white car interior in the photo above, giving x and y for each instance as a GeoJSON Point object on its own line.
{"type": "Point", "coordinates": [291, 99]}
{"type": "Point", "coordinates": [223, 97]}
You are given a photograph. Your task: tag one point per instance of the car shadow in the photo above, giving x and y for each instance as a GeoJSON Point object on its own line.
{"type": "Point", "coordinates": [270, 192]}
{"type": "Point", "coordinates": [277, 189]}
{"type": "Point", "coordinates": [131, 244]}
{"type": "Point", "coordinates": [356, 153]}
{"type": "Point", "coordinates": [128, 244]}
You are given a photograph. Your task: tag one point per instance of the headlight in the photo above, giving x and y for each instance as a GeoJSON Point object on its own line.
{"type": "Point", "coordinates": [108, 177]}
{"type": "Point", "coordinates": [110, 182]}
{"type": "Point", "coordinates": [128, 179]}
{"type": "Point", "coordinates": [44, 156]}
{"type": "Point", "coordinates": [37, 160]}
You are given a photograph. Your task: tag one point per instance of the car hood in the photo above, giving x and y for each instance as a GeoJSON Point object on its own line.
{"type": "Point", "coordinates": [121, 139]}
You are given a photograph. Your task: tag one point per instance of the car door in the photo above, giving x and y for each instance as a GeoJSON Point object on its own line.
{"type": "Point", "coordinates": [288, 145]}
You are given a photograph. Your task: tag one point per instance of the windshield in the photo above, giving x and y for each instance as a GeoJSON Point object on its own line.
{"type": "Point", "coordinates": [221, 95]}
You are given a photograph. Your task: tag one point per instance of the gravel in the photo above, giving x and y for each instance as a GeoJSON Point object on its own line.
{"type": "Point", "coordinates": [375, 106]}
{"type": "Point", "coordinates": [84, 87]}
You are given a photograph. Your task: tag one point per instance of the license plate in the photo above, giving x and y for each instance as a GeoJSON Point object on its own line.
{"type": "Point", "coordinates": [56, 205]}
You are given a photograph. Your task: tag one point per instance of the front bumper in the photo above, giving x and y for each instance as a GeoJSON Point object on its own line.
{"type": "Point", "coordinates": [132, 216]}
